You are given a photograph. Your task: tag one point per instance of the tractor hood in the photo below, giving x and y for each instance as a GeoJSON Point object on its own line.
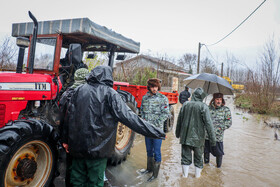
{"type": "Point", "coordinates": [17, 86]}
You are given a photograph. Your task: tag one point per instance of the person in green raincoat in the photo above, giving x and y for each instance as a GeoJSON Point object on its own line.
{"type": "Point", "coordinates": [194, 118]}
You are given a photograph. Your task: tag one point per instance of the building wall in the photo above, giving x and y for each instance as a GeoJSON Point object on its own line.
{"type": "Point", "coordinates": [140, 62]}
{"type": "Point", "coordinates": [166, 77]}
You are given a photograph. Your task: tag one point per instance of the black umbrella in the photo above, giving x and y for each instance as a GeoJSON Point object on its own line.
{"type": "Point", "coordinates": [210, 83]}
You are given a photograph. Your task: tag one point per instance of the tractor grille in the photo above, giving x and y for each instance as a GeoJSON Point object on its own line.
{"type": "Point", "coordinates": [2, 114]}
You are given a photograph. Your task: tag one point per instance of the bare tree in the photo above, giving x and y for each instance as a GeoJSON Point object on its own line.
{"type": "Point", "coordinates": [230, 65]}
{"type": "Point", "coordinates": [239, 74]}
{"type": "Point", "coordinates": [188, 61]}
{"type": "Point", "coordinates": [208, 66]}
{"type": "Point", "coordinates": [8, 53]}
{"type": "Point", "coordinates": [263, 81]}
{"type": "Point", "coordinates": [270, 69]}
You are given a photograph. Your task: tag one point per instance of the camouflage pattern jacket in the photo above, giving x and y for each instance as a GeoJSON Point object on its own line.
{"type": "Point", "coordinates": [221, 118]}
{"type": "Point", "coordinates": [155, 109]}
{"type": "Point", "coordinates": [80, 77]}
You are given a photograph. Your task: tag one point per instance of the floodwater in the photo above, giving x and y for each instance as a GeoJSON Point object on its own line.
{"type": "Point", "coordinates": [252, 158]}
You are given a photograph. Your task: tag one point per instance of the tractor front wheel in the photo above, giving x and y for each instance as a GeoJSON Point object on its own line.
{"type": "Point", "coordinates": [27, 154]}
{"type": "Point", "coordinates": [125, 136]}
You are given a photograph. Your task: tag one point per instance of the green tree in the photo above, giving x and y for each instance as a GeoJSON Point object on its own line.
{"type": "Point", "coordinates": [95, 59]}
{"type": "Point", "coordinates": [143, 75]}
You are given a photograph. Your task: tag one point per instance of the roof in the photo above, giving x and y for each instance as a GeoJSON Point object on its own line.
{"type": "Point", "coordinates": [168, 65]}
{"type": "Point", "coordinates": [80, 30]}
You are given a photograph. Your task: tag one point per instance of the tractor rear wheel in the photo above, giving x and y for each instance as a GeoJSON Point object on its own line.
{"type": "Point", "coordinates": [27, 153]}
{"type": "Point", "coordinates": [125, 136]}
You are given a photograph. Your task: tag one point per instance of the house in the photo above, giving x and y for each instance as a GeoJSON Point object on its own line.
{"type": "Point", "coordinates": [164, 69]}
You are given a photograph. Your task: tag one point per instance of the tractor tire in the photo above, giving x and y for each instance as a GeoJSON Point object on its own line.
{"type": "Point", "coordinates": [125, 136]}
{"type": "Point", "coordinates": [28, 153]}
{"type": "Point", "coordinates": [168, 124]}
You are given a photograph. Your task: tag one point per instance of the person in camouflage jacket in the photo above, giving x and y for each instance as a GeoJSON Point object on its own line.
{"type": "Point", "coordinates": [221, 117]}
{"type": "Point", "coordinates": [154, 109]}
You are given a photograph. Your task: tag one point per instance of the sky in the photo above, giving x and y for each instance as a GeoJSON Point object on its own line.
{"type": "Point", "coordinates": [165, 27]}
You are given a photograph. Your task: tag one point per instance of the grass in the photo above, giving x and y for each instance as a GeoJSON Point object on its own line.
{"type": "Point", "coordinates": [275, 109]}
{"type": "Point", "coordinates": [244, 101]}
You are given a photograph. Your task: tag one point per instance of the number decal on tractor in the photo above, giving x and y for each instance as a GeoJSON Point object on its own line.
{"type": "Point", "coordinates": [40, 86]}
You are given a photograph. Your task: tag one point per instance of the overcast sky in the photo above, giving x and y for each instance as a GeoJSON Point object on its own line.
{"type": "Point", "coordinates": [171, 27]}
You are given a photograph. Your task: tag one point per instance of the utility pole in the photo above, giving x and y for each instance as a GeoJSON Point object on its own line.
{"type": "Point", "coordinates": [198, 57]}
{"type": "Point", "coordinates": [222, 69]}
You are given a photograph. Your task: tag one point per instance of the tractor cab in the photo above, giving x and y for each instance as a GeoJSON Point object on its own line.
{"type": "Point", "coordinates": [49, 54]}
{"type": "Point", "coordinates": [54, 39]}
{"type": "Point", "coordinates": [56, 47]}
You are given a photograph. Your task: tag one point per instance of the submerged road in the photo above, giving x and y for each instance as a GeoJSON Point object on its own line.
{"type": "Point", "coordinates": [252, 158]}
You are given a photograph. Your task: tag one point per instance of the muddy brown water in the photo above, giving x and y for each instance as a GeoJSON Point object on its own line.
{"type": "Point", "coordinates": [252, 158]}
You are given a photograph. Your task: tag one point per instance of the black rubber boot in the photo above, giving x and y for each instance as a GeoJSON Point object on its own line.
{"type": "Point", "coordinates": [155, 171]}
{"type": "Point", "coordinates": [219, 161]}
{"type": "Point", "coordinates": [107, 184]}
{"type": "Point", "coordinates": [206, 158]}
{"type": "Point", "coordinates": [150, 165]}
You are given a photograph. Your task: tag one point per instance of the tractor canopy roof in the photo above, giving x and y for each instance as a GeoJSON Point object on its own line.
{"type": "Point", "coordinates": [91, 36]}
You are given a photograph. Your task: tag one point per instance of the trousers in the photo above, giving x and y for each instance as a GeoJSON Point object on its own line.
{"type": "Point", "coordinates": [153, 148]}
{"type": "Point", "coordinates": [187, 155]}
{"type": "Point", "coordinates": [88, 172]}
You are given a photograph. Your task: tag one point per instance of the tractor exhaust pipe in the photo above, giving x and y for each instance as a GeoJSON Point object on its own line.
{"type": "Point", "coordinates": [33, 43]}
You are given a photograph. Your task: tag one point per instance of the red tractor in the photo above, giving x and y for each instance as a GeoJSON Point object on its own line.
{"type": "Point", "coordinates": [29, 111]}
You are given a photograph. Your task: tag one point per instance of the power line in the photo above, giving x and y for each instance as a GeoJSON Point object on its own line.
{"type": "Point", "coordinates": [211, 54]}
{"type": "Point", "coordinates": [238, 25]}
